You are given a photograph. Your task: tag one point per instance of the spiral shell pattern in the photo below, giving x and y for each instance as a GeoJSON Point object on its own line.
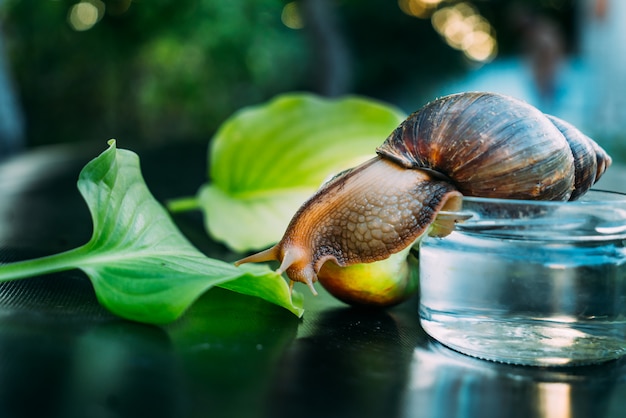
{"type": "Point", "coordinates": [491, 145]}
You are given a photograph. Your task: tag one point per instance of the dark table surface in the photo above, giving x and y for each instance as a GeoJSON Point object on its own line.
{"type": "Point", "coordinates": [62, 355]}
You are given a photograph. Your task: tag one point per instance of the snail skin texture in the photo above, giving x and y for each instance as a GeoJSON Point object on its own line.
{"type": "Point", "coordinates": [473, 144]}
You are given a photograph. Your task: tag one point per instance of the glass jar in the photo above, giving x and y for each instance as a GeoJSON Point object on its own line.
{"type": "Point", "coordinates": [532, 283]}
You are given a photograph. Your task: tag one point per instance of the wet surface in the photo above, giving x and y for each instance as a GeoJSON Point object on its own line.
{"type": "Point", "coordinates": [63, 355]}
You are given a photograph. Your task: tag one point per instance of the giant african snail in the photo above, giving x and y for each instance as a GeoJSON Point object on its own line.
{"type": "Point", "coordinates": [474, 144]}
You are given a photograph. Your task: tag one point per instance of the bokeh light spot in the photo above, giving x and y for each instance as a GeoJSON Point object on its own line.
{"type": "Point", "coordinates": [463, 28]}
{"type": "Point", "coordinates": [84, 15]}
{"type": "Point", "coordinates": [291, 16]}
{"type": "Point", "coordinates": [418, 8]}
{"type": "Point", "coordinates": [479, 46]}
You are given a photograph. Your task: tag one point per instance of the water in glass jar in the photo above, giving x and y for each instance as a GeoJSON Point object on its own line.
{"type": "Point", "coordinates": [529, 302]}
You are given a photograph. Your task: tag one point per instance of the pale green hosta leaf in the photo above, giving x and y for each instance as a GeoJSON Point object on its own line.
{"type": "Point", "coordinates": [266, 160]}
{"type": "Point", "coordinates": [249, 222]}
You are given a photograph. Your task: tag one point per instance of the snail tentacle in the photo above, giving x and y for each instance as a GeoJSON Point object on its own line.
{"type": "Point", "coordinates": [260, 257]}
{"type": "Point", "coordinates": [290, 256]}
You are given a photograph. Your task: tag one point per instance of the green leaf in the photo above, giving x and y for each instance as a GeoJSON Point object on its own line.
{"type": "Point", "coordinates": [265, 161]}
{"type": "Point", "coordinates": [142, 268]}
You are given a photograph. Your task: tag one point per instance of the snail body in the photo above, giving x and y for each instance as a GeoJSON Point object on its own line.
{"type": "Point", "coordinates": [474, 144]}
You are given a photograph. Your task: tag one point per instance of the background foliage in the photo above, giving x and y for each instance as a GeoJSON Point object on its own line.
{"type": "Point", "coordinates": [155, 70]}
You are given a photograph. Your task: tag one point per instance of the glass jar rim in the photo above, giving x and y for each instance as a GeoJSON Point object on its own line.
{"type": "Point", "coordinates": [593, 197]}
{"type": "Point", "coordinates": [598, 215]}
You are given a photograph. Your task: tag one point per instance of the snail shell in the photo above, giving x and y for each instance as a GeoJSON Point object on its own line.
{"type": "Point", "coordinates": [477, 144]}
{"type": "Point", "coordinates": [491, 145]}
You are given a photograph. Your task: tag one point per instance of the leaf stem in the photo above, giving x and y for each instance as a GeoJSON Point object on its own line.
{"type": "Point", "coordinates": [183, 204]}
{"type": "Point", "coordinates": [42, 265]}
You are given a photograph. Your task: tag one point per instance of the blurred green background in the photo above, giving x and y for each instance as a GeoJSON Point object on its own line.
{"type": "Point", "coordinates": [162, 70]}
